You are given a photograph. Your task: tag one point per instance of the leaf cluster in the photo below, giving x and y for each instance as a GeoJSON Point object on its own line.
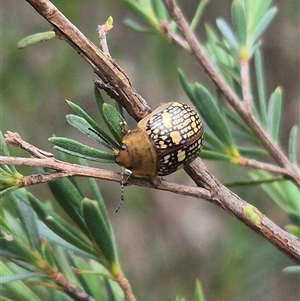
{"type": "Point", "coordinates": [37, 243]}
{"type": "Point", "coordinates": [87, 125]}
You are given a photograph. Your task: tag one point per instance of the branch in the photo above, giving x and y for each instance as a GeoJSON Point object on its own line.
{"type": "Point", "coordinates": [264, 166]}
{"type": "Point", "coordinates": [242, 109]}
{"type": "Point", "coordinates": [65, 169]}
{"type": "Point", "coordinates": [248, 214]}
{"type": "Point", "coordinates": [105, 67]}
{"type": "Point", "coordinates": [125, 285]}
{"type": "Point", "coordinates": [68, 286]}
{"type": "Point", "coordinates": [212, 191]}
{"type": "Point", "coordinates": [115, 78]}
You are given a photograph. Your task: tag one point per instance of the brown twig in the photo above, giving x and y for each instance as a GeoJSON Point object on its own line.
{"type": "Point", "coordinates": [244, 111]}
{"type": "Point", "coordinates": [106, 68]}
{"type": "Point", "coordinates": [234, 205]}
{"type": "Point", "coordinates": [125, 285]}
{"type": "Point", "coordinates": [212, 191]}
{"type": "Point", "coordinates": [165, 29]}
{"type": "Point", "coordinates": [69, 287]}
{"type": "Point", "coordinates": [65, 169]}
{"type": "Point", "coordinates": [264, 166]}
{"type": "Point", "coordinates": [115, 78]}
{"type": "Point", "coordinates": [102, 31]}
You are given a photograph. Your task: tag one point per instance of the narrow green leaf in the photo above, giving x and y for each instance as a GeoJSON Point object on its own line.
{"type": "Point", "coordinates": [293, 230]}
{"type": "Point", "coordinates": [98, 98]}
{"type": "Point", "coordinates": [292, 270]}
{"type": "Point", "coordinates": [212, 142]}
{"type": "Point", "coordinates": [100, 201]}
{"type": "Point", "coordinates": [227, 33]}
{"type": "Point", "coordinates": [36, 38]}
{"type": "Point", "coordinates": [211, 155]}
{"type": "Point", "coordinates": [29, 223]}
{"type": "Point", "coordinates": [98, 229]}
{"type": "Point", "coordinates": [58, 225]}
{"type": "Point", "coordinates": [4, 168]}
{"type": "Point", "coordinates": [111, 117]}
{"type": "Point", "coordinates": [17, 290]}
{"type": "Point", "coordinates": [12, 247]}
{"type": "Point", "coordinates": [252, 152]}
{"type": "Point", "coordinates": [144, 11]}
{"type": "Point", "coordinates": [292, 193]}
{"type": "Point", "coordinates": [239, 123]}
{"type": "Point", "coordinates": [294, 216]}
{"type": "Point", "coordinates": [293, 144]}
{"type": "Point", "coordinates": [283, 194]}
{"type": "Point", "coordinates": [49, 254]}
{"type": "Point", "coordinates": [22, 276]}
{"type": "Point", "coordinates": [50, 236]}
{"type": "Point", "coordinates": [187, 87]}
{"type": "Point", "coordinates": [5, 299]}
{"type": "Point", "coordinates": [159, 10]}
{"type": "Point", "coordinates": [111, 296]}
{"type": "Point", "coordinates": [274, 114]}
{"type": "Point", "coordinates": [138, 27]}
{"type": "Point", "coordinates": [4, 152]}
{"type": "Point", "coordinates": [211, 35]}
{"type": "Point", "coordinates": [64, 264]}
{"type": "Point", "coordinates": [212, 116]}
{"type": "Point", "coordinates": [86, 280]}
{"type": "Point", "coordinates": [9, 181]}
{"type": "Point", "coordinates": [253, 182]}
{"type": "Point", "coordinates": [263, 24]}
{"type": "Point", "coordinates": [80, 150]}
{"type": "Point", "coordinates": [199, 292]}
{"type": "Point", "coordinates": [199, 12]}
{"type": "Point", "coordinates": [260, 78]}
{"type": "Point", "coordinates": [3, 147]}
{"type": "Point", "coordinates": [3, 220]}
{"type": "Point", "coordinates": [6, 191]}
{"type": "Point", "coordinates": [113, 120]}
{"type": "Point", "coordinates": [102, 157]}
{"type": "Point", "coordinates": [83, 126]}
{"type": "Point", "coordinates": [93, 124]}
{"type": "Point", "coordinates": [69, 198]}
{"type": "Point", "coordinates": [238, 16]}
{"type": "Point", "coordinates": [255, 11]}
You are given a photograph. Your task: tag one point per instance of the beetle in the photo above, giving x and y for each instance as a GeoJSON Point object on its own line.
{"type": "Point", "coordinates": [164, 141]}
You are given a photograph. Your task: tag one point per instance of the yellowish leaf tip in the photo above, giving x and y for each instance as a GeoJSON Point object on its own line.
{"type": "Point", "coordinates": [244, 53]}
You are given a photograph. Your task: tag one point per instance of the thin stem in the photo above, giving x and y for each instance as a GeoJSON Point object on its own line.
{"type": "Point", "coordinates": [125, 285]}
{"type": "Point", "coordinates": [69, 287]}
{"type": "Point", "coordinates": [264, 166]}
{"type": "Point", "coordinates": [234, 205]}
{"type": "Point", "coordinates": [106, 68]}
{"type": "Point", "coordinates": [65, 169]}
{"type": "Point", "coordinates": [226, 90]}
{"type": "Point", "coordinates": [117, 81]}
{"type": "Point", "coordinates": [102, 31]}
{"type": "Point", "coordinates": [212, 191]}
{"type": "Point", "coordinates": [174, 38]}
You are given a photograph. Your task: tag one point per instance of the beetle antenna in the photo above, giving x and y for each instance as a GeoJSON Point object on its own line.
{"type": "Point", "coordinates": [122, 192]}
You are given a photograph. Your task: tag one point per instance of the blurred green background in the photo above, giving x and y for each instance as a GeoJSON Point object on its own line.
{"type": "Point", "coordinates": [165, 241]}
